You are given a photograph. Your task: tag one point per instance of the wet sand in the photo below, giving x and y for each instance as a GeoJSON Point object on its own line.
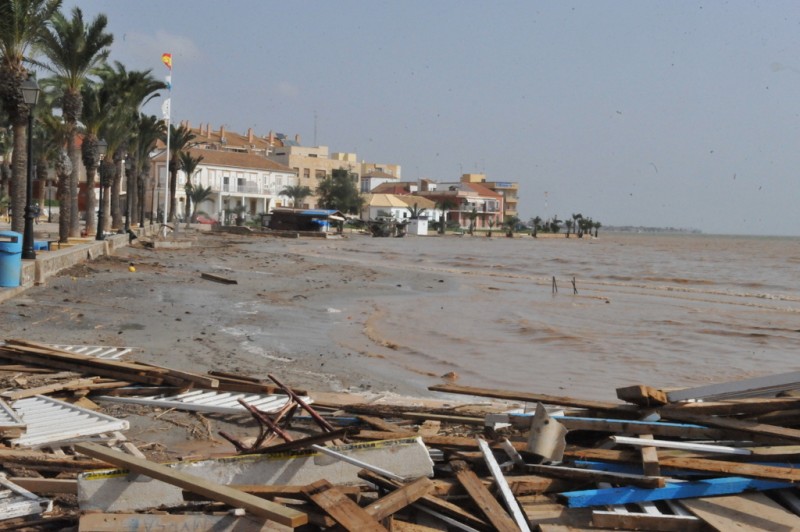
{"type": "Point", "coordinates": [299, 317]}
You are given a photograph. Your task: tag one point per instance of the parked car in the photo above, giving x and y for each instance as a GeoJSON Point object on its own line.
{"type": "Point", "coordinates": [205, 220]}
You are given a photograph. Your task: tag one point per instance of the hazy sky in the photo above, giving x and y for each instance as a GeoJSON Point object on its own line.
{"type": "Point", "coordinates": [674, 113]}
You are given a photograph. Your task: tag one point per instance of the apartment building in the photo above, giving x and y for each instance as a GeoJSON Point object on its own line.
{"type": "Point", "coordinates": [508, 189]}
{"type": "Point", "coordinates": [311, 163]}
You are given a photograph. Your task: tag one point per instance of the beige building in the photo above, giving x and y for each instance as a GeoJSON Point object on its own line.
{"type": "Point", "coordinates": [508, 189]}
{"type": "Point", "coordinates": [313, 163]}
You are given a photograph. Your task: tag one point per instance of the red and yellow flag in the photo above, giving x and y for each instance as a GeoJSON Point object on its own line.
{"type": "Point", "coordinates": [167, 60]}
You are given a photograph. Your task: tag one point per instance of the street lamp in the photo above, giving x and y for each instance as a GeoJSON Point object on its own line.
{"type": "Point", "coordinates": [30, 94]}
{"type": "Point", "coordinates": [102, 147]}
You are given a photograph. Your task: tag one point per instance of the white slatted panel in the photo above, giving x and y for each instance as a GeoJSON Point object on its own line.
{"type": "Point", "coordinates": [50, 420]}
{"type": "Point", "coordinates": [208, 401]}
{"type": "Point", "coordinates": [97, 351]}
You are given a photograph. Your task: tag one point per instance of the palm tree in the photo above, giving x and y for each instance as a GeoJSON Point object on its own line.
{"type": "Point", "coordinates": [415, 211]}
{"type": "Point", "coordinates": [75, 50]}
{"type": "Point", "coordinates": [536, 222]}
{"type": "Point", "coordinates": [444, 205]}
{"type": "Point", "coordinates": [22, 24]}
{"type": "Point", "coordinates": [179, 139]}
{"type": "Point", "coordinates": [597, 226]}
{"type": "Point", "coordinates": [472, 217]}
{"type": "Point", "coordinates": [199, 194]}
{"type": "Point", "coordinates": [491, 223]}
{"type": "Point", "coordinates": [297, 193]}
{"type": "Point", "coordinates": [569, 224]}
{"type": "Point", "coordinates": [149, 130]}
{"type": "Point", "coordinates": [511, 224]}
{"type": "Point", "coordinates": [94, 115]}
{"type": "Point", "coordinates": [131, 90]}
{"type": "Point", "coordinates": [189, 165]}
{"type": "Point", "coordinates": [576, 219]}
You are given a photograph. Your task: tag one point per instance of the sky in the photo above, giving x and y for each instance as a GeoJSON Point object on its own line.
{"type": "Point", "coordinates": [660, 114]}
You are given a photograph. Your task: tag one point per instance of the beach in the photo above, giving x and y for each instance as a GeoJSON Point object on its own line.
{"type": "Point", "coordinates": [389, 315]}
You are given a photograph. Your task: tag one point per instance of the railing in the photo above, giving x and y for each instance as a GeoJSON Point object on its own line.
{"type": "Point", "coordinates": [251, 188]}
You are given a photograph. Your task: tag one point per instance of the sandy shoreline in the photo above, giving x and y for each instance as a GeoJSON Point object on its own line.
{"type": "Point", "coordinates": [294, 315]}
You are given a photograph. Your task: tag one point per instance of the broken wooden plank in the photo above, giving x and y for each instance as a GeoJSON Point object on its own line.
{"type": "Point", "coordinates": [645, 521]}
{"type": "Point", "coordinates": [108, 522]}
{"type": "Point", "coordinates": [76, 384]}
{"type": "Point", "coordinates": [752, 511]}
{"type": "Point", "coordinates": [430, 502]}
{"type": "Point", "coordinates": [694, 464]}
{"type": "Point", "coordinates": [382, 424]}
{"type": "Point", "coordinates": [770, 384]}
{"type": "Point", "coordinates": [526, 397]}
{"type": "Point", "coordinates": [627, 426]}
{"type": "Point", "coordinates": [18, 501]}
{"type": "Point", "coordinates": [733, 406]}
{"type": "Point", "coordinates": [48, 486]}
{"type": "Point", "coordinates": [684, 490]}
{"type": "Point", "coordinates": [485, 501]}
{"type": "Point", "coordinates": [505, 490]}
{"type": "Point", "coordinates": [642, 395]}
{"type": "Point", "coordinates": [748, 427]}
{"type": "Point", "coordinates": [650, 464]}
{"type": "Point", "coordinates": [218, 278]}
{"type": "Point", "coordinates": [343, 510]}
{"type": "Point", "coordinates": [588, 475]}
{"type": "Point", "coordinates": [399, 498]}
{"type": "Point", "coordinates": [216, 492]}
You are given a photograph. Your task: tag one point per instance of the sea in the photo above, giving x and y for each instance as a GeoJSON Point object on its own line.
{"type": "Point", "coordinates": [581, 317]}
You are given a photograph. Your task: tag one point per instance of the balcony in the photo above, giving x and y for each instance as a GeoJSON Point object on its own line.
{"type": "Point", "coordinates": [247, 188]}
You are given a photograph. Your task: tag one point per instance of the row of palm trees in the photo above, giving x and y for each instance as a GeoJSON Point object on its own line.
{"type": "Point", "coordinates": [86, 102]}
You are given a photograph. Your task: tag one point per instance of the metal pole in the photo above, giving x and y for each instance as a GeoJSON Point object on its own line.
{"type": "Point", "coordinates": [27, 237]}
{"type": "Point", "coordinates": [49, 202]}
{"type": "Point", "coordinates": [100, 211]}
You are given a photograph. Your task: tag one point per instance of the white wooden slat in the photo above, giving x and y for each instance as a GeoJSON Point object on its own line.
{"type": "Point", "coordinates": [211, 402]}
{"type": "Point", "coordinates": [50, 420]}
{"type": "Point", "coordinates": [97, 351]}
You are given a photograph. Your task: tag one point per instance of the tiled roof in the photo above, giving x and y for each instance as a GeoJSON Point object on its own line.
{"type": "Point", "coordinates": [234, 159]}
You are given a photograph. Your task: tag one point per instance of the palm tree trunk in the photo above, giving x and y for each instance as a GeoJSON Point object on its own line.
{"type": "Point", "coordinates": [19, 175]}
{"type": "Point", "coordinates": [74, 212]}
{"type": "Point", "coordinates": [62, 195]}
{"type": "Point", "coordinates": [173, 202]}
{"type": "Point", "coordinates": [91, 207]}
{"type": "Point", "coordinates": [116, 212]}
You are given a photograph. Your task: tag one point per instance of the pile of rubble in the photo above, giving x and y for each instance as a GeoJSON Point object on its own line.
{"type": "Point", "coordinates": [711, 458]}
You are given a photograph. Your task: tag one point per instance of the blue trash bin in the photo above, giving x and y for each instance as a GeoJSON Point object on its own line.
{"type": "Point", "coordinates": [10, 258]}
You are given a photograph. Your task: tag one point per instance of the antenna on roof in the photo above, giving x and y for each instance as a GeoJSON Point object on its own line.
{"type": "Point", "coordinates": [315, 129]}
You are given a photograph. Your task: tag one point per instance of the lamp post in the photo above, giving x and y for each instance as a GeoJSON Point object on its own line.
{"type": "Point", "coordinates": [102, 146]}
{"type": "Point", "coordinates": [30, 94]}
{"type": "Point", "coordinates": [49, 201]}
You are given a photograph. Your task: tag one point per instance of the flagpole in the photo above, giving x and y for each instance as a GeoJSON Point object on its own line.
{"type": "Point", "coordinates": [167, 60]}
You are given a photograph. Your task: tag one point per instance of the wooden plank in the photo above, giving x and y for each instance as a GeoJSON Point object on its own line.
{"type": "Point", "coordinates": [485, 501]}
{"type": "Point", "coordinates": [734, 406]}
{"type": "Point", "coordinates": [399, 498]}
{"type": "Point", "coordinates": [644, 521]}
{"type": "Point", "coordinates": [218, 278]}
{"type": "Point", "coordinates": [270, 491]}
{"type": "Point", "coordinates": [694, 464]}
{"type": "Point", "coordinates": [103, 522]}
{"type": "Point", "coordinates": [337, 505]}
{"type": "Point", "coordinates": [458, 420]}
{"type": "Point", "coordinates": [749, 427]}
{"type": "Point", "coordinates": [525, 397]}
{"type": "Point", "coordinates": [753, 511]}
{"type": "Point", "coordinates": [505, 490]}
{"type": "Point", "coordinates": [642, 395]}
{"type": "Point", "coordinates": [428, 501]}
{"type": "Point", "coordinates": [76, 384]}
{"type": "Point", "coordinates": [216, 492]}
{"type": "Point", "coordinates": [384, 425]}
{"type": "Point", "coordinates": [684, 490]}
{"type": "Point", "coordinates": [655, 428]}
{"type": "Point", "coordinates": [47, 485]}
{"type": "Point", "coordinates": [588, 475]}
{"type": "Point", "coordinates": [650, 464]}
{"type": "Point", "coordinates": [742, 388]}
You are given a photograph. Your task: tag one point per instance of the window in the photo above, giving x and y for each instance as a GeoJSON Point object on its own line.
{"type": "Point", "coordinates": [319, 174]}
{"type": "Point", "coordinates": [306, 173]}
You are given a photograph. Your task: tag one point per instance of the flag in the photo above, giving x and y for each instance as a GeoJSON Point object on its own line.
{"type": "Point", "coordinates": [167, 60]}
{"type": "Point", "coordinates": [165, 109]}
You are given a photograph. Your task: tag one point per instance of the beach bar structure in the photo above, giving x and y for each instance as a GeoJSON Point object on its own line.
{"type": "Point", "coordinates": [315, 220]}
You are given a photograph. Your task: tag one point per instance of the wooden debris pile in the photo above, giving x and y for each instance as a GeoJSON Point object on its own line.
{"type": "Point", "coordinates": [718, 457]}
